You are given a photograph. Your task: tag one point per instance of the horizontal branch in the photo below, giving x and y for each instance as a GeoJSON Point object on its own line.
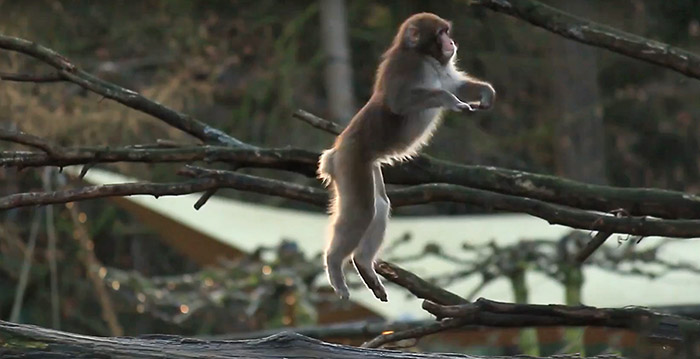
{"type": "Point", "coordinates": [45, 78]}
{"type": "Point", "coordinates": [233, 180]}
{"type": "Point", "coordinates": [213, 179]}
{"type": "Point", "coordinates": [295, 160]}
{"type": "Point", "coordinates": [635, 201]}
{"type": "Point", "coordinates": [346, 330]}
{"type": "Point", "coordinates": [591, 33]}
{"type": "Point", "coordinates": [552, 213]}
{"type": "Point", "coordinates": [499, 314]}
{"type": "Point", "coordinates": [69, 72]}
{"type": "Point", "coordinates": [28, 341]}
{"type": "Point", "coordinates": [29, 140]}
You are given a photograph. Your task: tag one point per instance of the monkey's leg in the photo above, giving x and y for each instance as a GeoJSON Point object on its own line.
{"type": "Point", "coordinates": [352, 216]}
{"type": "Point", "coordinates": [364, 255]}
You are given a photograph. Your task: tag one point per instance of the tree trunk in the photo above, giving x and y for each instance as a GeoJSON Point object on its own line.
{"type": "Point", "coordinates": [579, 147]}
{"type": "Point", "coordinates": [334, 34]}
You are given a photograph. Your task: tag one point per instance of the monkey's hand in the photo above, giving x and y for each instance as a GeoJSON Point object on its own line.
{"type": "Point", "coordinates": [461, 106]}
{"type": "Point", "coordinates": [477, 105]}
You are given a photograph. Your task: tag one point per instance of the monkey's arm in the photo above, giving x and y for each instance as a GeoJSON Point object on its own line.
{"type": "Point", "coordinates": [418, 99]}
{"type": "Point", "coordinates": [470, 88]}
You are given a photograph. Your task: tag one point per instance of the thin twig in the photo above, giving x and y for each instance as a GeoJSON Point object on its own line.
{"type": "Point", "coordinates": [320, 123]}
{"type": "Point", "coordinates": [591, 246]}
{"type": "Point", "coordinates": [26, 267]}
{"type": "Point", "coordinates": [205, 197]}
{"type": "Point", "coordinates": [413, 333]}
{"type": "Point", "coordinates": [92, 265]}
{"type": "Point", "coordinates": [52, 253]}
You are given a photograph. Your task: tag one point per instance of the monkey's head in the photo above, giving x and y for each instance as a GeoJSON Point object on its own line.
{"type": "Point", "coordinates": [428, 34]}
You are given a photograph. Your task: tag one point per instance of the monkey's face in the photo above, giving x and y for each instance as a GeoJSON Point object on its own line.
{"type": "Point", "coordinates": [447, 46]}
{"type": "Point", "coordinates": [429, 34]}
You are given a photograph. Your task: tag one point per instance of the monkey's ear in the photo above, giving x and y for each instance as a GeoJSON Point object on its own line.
{"type": "Point", "coordinates": [411, 36]}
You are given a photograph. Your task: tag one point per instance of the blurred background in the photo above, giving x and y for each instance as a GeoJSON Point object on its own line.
{"type": "Point", "coordinates": [563, 108]}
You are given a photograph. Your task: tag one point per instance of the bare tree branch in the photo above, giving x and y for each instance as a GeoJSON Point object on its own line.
{"type": "Point", "coordinates": [45, 78]}
{"type": "Point", "coordinates": [591, 246]}
{"type": "Point", "coordinates": [424, 169]}
{"type": "Point", "coordinates": [29, 140]}
{"type": "Point", "coordinates": [591, 33]}
{"type": "Point", "coordinates": [72, 73]}
{"type": "Point", "coordinates": [414, 333]}
{"type": "Point", "coordinates": [553, 213]}
{"type": "Point", "coordinates": [499, 314]}
{"type": "Point", "coordinates": [296, 160]}
{"type": "Point", "coordinates": [416, 285]}
{"type": "Point", "coordinates": [30, 341]}
{"type": "Point", "coordinates": [320, 123]}
{"type": "Point", "coordinates": [635, 201]}
{"type": "Point", "coordinates": [213, 179]}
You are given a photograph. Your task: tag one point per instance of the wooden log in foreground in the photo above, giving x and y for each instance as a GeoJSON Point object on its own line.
{"type": "Point", "coordinates": [29, 341]}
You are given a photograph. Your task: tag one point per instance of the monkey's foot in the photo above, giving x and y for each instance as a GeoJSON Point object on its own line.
{"type": "Point", "coordinates": [342, 292]}
{"type": "Point", "coordinates": [372, 282]}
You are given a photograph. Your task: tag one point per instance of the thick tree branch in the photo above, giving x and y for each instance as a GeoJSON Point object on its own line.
{"type": "Point", "coordinates": [28, 341]}
{"type": "Point", "coordinates": [591, 33]}
{"type": "Point", "coordinates": [499, 314]}
{"type": "Point", "coordinates": [72, 73]}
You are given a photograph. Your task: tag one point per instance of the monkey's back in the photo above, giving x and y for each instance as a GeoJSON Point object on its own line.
{"type": "Point", "coordinates": [385, 135]}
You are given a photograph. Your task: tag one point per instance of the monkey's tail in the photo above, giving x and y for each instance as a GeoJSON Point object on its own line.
{"type": "Point", "coordinates": [325, 167]}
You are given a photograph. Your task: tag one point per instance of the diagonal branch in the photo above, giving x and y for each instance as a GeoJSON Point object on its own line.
{"type": "Point", "coordinates": [72, 73]}
{"type": "Point", "coordinates": [417, 285]}
{"type": "Point", "coordinates": [591, 33]}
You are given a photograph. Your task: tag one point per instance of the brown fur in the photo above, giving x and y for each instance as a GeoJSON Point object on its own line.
{"type": "Point", "coordinates": [414, 82]}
